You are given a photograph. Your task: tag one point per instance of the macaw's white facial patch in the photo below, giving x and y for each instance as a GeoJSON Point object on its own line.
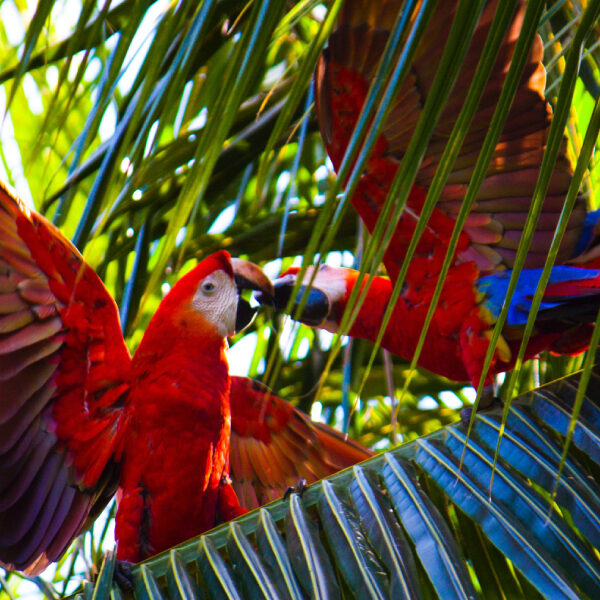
{"type": "Point", "coordinates": [330, 280]}
{"type": "Point", "coordinates": [216, 300]}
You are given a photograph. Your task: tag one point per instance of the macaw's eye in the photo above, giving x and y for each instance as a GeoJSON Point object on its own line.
{"type": "Point", "coordinates": [208, 287]}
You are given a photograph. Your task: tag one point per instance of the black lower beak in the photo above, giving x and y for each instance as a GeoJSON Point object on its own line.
{"type": "Point", "coordinates": [316, 307]}
{"type": "Point", "coordinates": [282, 290]}
{"type": "Point", "coordinates": [245, 315]}
{"type": "Point", "coordinates": [248, 276]}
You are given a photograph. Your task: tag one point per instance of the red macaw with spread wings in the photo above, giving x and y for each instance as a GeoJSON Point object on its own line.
{"type": "Point", "coordinates": [81, 419]}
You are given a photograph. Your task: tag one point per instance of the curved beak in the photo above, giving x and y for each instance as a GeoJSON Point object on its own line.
{"type": "Point", "coordinates": [248, 276]}
{"type": "Point", "coordinates": [317, 306]}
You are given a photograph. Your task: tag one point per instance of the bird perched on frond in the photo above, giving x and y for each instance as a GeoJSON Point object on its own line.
{"type": "Point", "coordinates": [81, 419]}
{"type": "Point", "coordinates": [475, 286]}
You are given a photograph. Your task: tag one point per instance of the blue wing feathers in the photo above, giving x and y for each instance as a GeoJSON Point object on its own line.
{"type": "Point", "coordinates": [589, 232]}
{"type": "Point", "coordinates": [576, 283]}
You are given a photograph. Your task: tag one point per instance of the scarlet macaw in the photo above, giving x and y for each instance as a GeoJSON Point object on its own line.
{"type": "Point", "coordinates": [474, 289]}
{"type": "Point", "coordinates": [81, 418]}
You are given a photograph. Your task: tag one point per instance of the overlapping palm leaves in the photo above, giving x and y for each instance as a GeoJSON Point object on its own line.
{"type": "Point", "coordinates": [214, 115]}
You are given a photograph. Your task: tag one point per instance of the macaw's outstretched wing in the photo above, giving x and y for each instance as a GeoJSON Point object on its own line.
{"type": "Point", "coordinates": [494, 226]}
{"type": "Point", "coordinates": [63, 372]}
{"type": "Point", "coordinates": [273, 445]}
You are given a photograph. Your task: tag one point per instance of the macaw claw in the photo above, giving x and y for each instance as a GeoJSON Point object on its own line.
{"type": "Point", "coordinates": [299, 489]}
{"type": "Point", "coordinates": [488, 401]}
{"type": "Point", "coordinates": [123, 575]}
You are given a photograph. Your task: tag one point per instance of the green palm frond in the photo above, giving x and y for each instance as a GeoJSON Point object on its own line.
{"type": "Point", "coordinates": [142, 149]}
{"type": "Point", "coordinates": [414, 523]}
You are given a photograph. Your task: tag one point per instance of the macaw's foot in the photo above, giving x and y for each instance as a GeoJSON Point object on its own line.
{"type": "Point", "coordinates": [123, 575]}
{"type": "Point", "coordinates": [488, 401]}
{"type": "Point", "coordinates": [299, 488]}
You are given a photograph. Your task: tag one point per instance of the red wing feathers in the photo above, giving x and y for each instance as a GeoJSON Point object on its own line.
{"type": "Point", "coordinates": [273, 445]}
{"type": "Point", "coordinates": [63, 371]}
{"type": "Point", "coordinates": [494, 228]}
